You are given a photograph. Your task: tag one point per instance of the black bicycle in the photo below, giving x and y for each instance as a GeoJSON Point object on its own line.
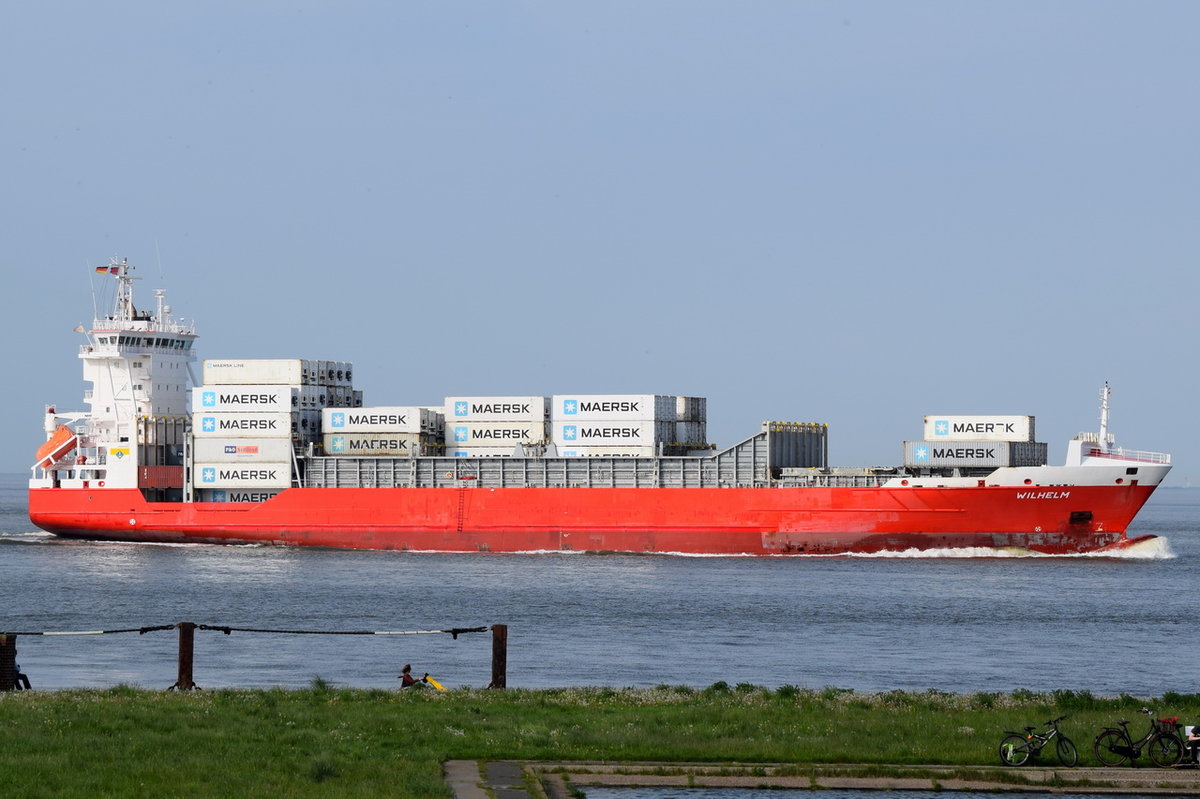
{"type": "Point", "coordinates": [1114, 746]}
{"type": "Point", "coordinates": [1018, 747]}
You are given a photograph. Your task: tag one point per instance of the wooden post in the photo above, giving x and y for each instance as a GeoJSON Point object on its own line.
{"type": "Point", "coordinates": [8, 662]}
{"type": "Point", "coordinates": [499, 656]}
{"type": "Point", "coordinates": [187, 638]}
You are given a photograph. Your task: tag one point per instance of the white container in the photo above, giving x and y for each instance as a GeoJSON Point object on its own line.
{"type": "Point", "coordinates": [973, 454]}
{"type": "Point", "coordinates": [240, 424]}
{"type": "Point", "coordinates": [235, 450]}
{"type": "Point", "coordinates": [272, 371]}
{"type": "Point", "coordinates": [494, 434]}
{"type": "Point", "coordinates": [394, 445]}
{"type": "Point", "coordinates": [378, 419]}
{"type": "Point", "coordinates": [613, 407]}
{"type": "Point", "coordinates": [584, 433]}
{"type": "Point", "coordinates": [979, 428]}
{"type": "Point", "coordinates": [225, 398]}
{"type": "Point", "coordinates": [497, 409]}
{"type": "Point", "coordinates": [479, 452]}
{"type": "Point", "coordinates": [608, 452]}
{"type": "Point", "coordinates": [242, 475]}
{"type": "Point", "coordinates": [234, 495]}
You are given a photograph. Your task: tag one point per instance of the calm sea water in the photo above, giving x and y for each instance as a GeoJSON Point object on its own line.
{"type": "Point", "coordinates": [962, 624]}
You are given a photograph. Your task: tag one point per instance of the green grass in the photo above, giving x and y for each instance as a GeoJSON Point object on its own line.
{"type": "Point", "coordinates": [330, 741]}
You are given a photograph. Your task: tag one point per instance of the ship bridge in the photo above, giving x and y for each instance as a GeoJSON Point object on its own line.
{"type": "Point", "coordinates": [138, 373]}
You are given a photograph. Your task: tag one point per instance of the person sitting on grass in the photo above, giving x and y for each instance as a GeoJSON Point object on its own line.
{"type": "Point", "coordinates": [406, 678]}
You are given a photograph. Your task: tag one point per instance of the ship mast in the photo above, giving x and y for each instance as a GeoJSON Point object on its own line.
{"type": "Point", "coordinates": [1105, 437]}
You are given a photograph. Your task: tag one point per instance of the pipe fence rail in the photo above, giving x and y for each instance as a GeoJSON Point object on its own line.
{"type": "Point", "coordinates": [187, 633]}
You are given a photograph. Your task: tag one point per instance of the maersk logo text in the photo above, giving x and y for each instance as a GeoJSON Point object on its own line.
{"type": "Point", "coordinates": [962, 453]}
{"type": "Point", "coordinates": [942, 427]}
{"type": "Point", "coordinates": [610, 432]}
{"type": "Point", "coordinates": [609, 407]}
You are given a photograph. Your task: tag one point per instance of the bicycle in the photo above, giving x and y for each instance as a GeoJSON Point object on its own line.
{"type": "Point", "coordinates": [1161, 742]}
{"type": "Point", "coordinates": [1016, 748]}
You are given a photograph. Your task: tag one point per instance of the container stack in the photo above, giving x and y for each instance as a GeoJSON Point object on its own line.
{"type": "Point", "coordinates": [484, 427]}
{"type": "Point", "coordinates": [249, 415]}
{"type": "Point", "coordinates": [973, 442]}
{"type": "Point", "coordinates": [387, 431]}
{"type": "Point", "coordinates": [631, 425]}
{"type": "Point", "coordinates": [691, 422]}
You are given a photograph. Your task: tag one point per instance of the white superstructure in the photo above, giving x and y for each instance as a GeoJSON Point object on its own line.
{"type": "Point", "coordinates": [137, 365]}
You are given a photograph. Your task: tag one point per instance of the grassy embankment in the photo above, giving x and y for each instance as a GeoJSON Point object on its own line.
{"type": "Point", "coordinates": [325, 740]}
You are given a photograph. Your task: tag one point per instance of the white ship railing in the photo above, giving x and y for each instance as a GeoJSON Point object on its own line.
{"type": "Point", "coordinates": [1122, 454]}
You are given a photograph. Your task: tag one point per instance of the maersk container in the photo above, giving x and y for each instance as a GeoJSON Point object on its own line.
{"type": "Point", "coordinates": [497, 409]}
{"type": "Point", "coordinates": [977, 454]}
{"type": "Point", "coordinates": [242, 475]}
{"type": "Point", "coordinates": [613, 407]}
{"type": "Point", "coordinates": [242, 424]}
{"type": "Point", "coordinates": [235, 495]}
{"type": "Point", "coordinates": [235, 450]}
{"type": "Point", "coordinates": [224, 398]}
{"type": "Point", "coordinates": [495, 434]}
{"type": "Point", "coordinates": [395, 445]}
{"type": "Point", "coordinates": [478, 452]}
{"type": "Point", "coordinates": [585, 432]}
{"type": "Point", "coordinates": [608, 452]}
{"type": "Point", "coordinates": [979, 428]}
{"type": "Point", "coordinates": [270, 371]}
{"type": "Point", "coordinates": [379, 419]}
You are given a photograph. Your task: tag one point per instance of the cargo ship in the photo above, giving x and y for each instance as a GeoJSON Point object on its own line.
{"type": "Point", "coordinates": [286, 452]}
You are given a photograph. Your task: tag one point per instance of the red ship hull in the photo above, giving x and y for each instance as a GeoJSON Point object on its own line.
{"type": "Point", "coordinates": [719, 521]}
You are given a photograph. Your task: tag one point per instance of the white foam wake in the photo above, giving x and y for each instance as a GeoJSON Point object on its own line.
{"type": "Point", "coordinates": [1153, 549]}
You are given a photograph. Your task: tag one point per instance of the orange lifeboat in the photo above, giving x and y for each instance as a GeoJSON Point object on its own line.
{"type": "Point", "coordinates": [61, 442]}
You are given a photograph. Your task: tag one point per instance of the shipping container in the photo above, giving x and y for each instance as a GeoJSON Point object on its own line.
{"type": "Point", "coordinates": [613, 407]}
{"type": "Point", "coordinates": [234, 495]}
{"type": "Point", "coordinates": [608, 452]}
{"type": "Point", "coordinates": [612, 433]}
{"type": "Point", "coordinates": [234, 450]}
{"type": "Point", "coordinates": [241, 424]}
{"type": "Point", "coordinates": [979, 428]}
{"type": "Point", "coordinates": [973, 454]}
{"type": "Point", "coordinates": [479, 452]}
{"type": "Point", "coordinates": [278, 371]}
{"type": "Point", "coordinates": [396, 445]}
{"type": "Point", "coordinates": [495, 434]}
{"type": "Point", "coordinates": [272, 371]}
{"type": "Point", "coordinates": [497, 409]}
{"type": "Point", "coordinates": [380, 419]}
{"type": "Point", "coordinates": [242, 475]}
{"type": "Point", "coordinates": [225, 398]}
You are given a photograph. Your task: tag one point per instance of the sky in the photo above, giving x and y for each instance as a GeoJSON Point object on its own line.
{"type": "Point", "coordinates": [855, 213]}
